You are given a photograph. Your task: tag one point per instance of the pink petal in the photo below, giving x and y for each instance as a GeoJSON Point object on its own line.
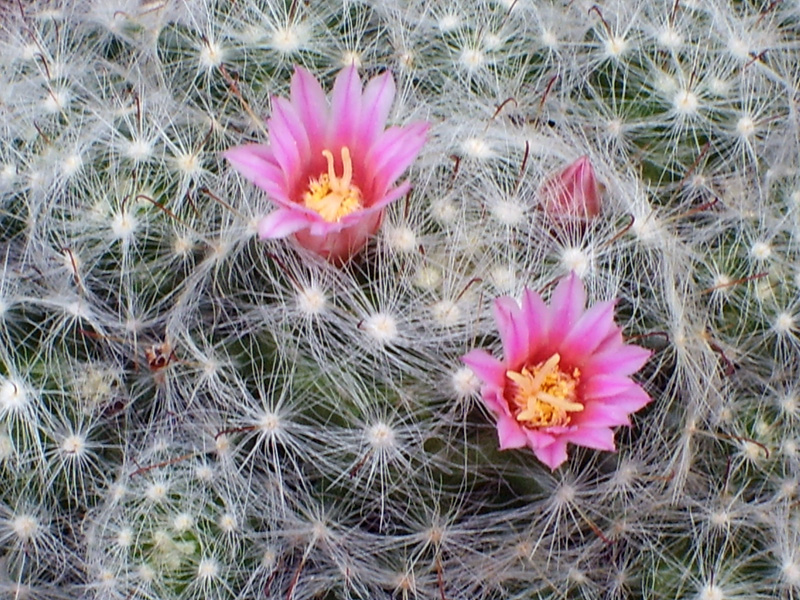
{"type": "Point", "coordinates": [566, 305]}
{"type": "Point", "coordinates": [538, 439]}
{"type": "Point", "coordinates": [345, 108]}
{"type": "Point", "coordinates": [624, 360]}
{"type": "Point", "coordinates": [394, 152]}
{"type": "Point", "coordinates": [630, 401]}
{"type": "Point", "coordinates": [605, 386]}
{"type": "Point", "coordinates": [509, 433]}
{"type": "Point", "coordinates": [395, 193]}
{"type": "Point", "coordinates": [283, 145]}
{"type": "Point", "coordinates": [612, 341]}
{"type": "Point", "coordinates": [600, 438]}
{"type": "Point", "coordinates": [286, 123]}
{"type": "Point", "coordinates": [309, 100]}
{"type": "Point", "coordinates": [256, 163]}
{"type": "Point", "coordinates": [535, 317]}
{"type": "Point", "coordinates": [283, 222]}
{"type": "Point", "coordinates": [600, 414]}
{"type": "Point", "coordinates": [486, 367]}
{"type": "Point", "coordinates": [388, 140]}
{"type": "Point", "coordinates": [510, 325]}
{"type": "Point", "coordinates": [494, 401]}
{"type": "Point", "coordinates": [553, 455]}
{"type": "Point", "coordinates": [375, 105]}
{"type": "Point", "coordinates": [587, 333]}
{"type": "Point", "coordinates": [331, 241]}
{"type": "Point", "coordinates": [319, 226]}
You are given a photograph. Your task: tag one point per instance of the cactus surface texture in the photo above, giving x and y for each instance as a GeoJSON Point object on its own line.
{"type": "Point", "coordinates": [188, 412]}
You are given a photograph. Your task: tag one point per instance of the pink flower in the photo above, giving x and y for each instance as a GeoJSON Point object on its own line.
{"type": "Point", "coordinates": [565, 374]}
{"type": "Point", "coordinates": [330, 168]}
{"type": "Point", "coordinates": [572, 192]}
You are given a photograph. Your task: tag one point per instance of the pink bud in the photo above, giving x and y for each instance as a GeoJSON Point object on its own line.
{"type": "Point", "coordinates": [573, 192]}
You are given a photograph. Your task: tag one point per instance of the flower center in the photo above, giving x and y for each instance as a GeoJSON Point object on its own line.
{"type": "Point", "coordinates": [545, 394]}
{"type": "Point", "coordinates": [331, 196]}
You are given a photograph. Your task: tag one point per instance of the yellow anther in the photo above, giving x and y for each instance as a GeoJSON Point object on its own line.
{"type": "Point", "coordinates": [545, 395]}
{"type": "Point", "coordinates": [331, 196]}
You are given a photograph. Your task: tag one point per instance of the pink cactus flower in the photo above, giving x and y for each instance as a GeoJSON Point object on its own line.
{"type": "Point", "coordinates": [565, 373]}
{"type": "Point", "coordinates": [330, 168]}
{"type": "Point", "coordinates": [572, 192]}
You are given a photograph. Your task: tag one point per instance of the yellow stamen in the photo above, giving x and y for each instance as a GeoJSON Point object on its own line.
{"type": "Point", "coordinates": [331, 196]}
{"type": "Point", "coordinates": [545, 394]}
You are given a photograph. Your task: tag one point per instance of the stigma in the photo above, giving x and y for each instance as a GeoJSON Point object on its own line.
{"type": "Point", "coordinates": [331, 196]}
{"type": "Point", "coordinates": [545, 395]}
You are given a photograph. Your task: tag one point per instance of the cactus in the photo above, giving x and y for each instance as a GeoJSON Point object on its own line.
{"type": "Point", "coordinates": [189, 412]}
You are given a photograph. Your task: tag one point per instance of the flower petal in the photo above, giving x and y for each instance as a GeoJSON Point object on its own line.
{"type": "Point", "coordinates": [601, 414]}
{"type": "Point", "coordinates": [284, 146]}
{"type": "Point", "coordinates": [605, 386]}
{"type": "Point", "coordinates": [587, 333]}
{"type": "Point", "coordinates": [553, 455]}
{"type": "Point", "coordinates": [494, 401]}
{"type": "Point", "coordinates": [624, 360]}
{"type": "Point", "coordinates": [630, 401]}
{"type": "Point", "coordinates": [510, 325]}
{"type": "Point", "coordinates": [309, 100]}
{"type": "Point", "coordinates": [566, 305]}
{"type": "Point", "coordinates": [612, 341]}
{"type": "Point", "coordinates": [394, 151]}
{"type": "Point", "coordinates": [393, 194]}
{"type": "Point", "coordinates": [256, 163]}
{"type": "Point", "coordinates": [283, 222]}
{"type": "Point", "coordinates": [509, 433]}
{"type": "Point", "coordinates": [599, 438]}
{"type": "Point", "coordinates": [486, 367]}
{"type": "Point", "coordinates": [538, 439]}
{"type": "Point", "coordinates": [345, 108]}
{"type": "Point", "coordinates": [286, 123]}
{"type": "Point", "coordinates": [375, 105]}
{"type": "Point", "coordinates": [535, 320]}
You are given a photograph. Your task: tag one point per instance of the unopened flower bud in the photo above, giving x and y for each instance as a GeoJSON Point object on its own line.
{"type": "Point", "coordinates": [572, 192]}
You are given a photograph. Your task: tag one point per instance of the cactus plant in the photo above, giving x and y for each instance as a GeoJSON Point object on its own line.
{"type": "Point", "coordinates": [188, 412]}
